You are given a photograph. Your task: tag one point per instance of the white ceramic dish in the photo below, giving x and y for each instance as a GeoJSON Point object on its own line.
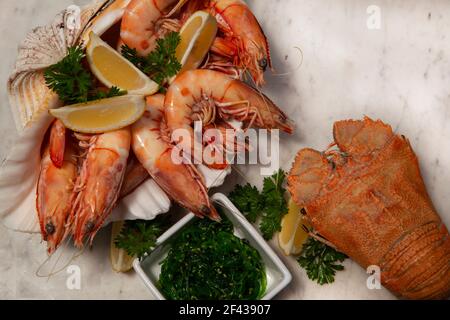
{"type": "Point", "coordinates": [278, 276]}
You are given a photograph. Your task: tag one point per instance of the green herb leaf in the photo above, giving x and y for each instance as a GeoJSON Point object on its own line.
{"type": "Point", "coordinates": [72, 82]}
{"type": "Point", "coordinates": [139, 237]}
{"type": "Point", "coordinates": [68, 78]}
{"type": "Point", "coordinates": [113, 92]}
{"type": "Point", "coordinates": [133, 56]}
{"type": "Point", "coordinates": [320, 261]}
{"type": "Point", "coordinates": [270, 203]}
{"type": "Point", "coordinates": [275, 206]}
{"type": "Point", "coordinates": [248, 200]}
{"type": "Point", "coordinates": [161, 63]}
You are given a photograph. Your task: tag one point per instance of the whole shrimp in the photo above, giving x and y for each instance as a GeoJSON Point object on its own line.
{"type": "Point", "coordinates": [241, 38]}
{"type": "Point", "coordinates": [182, 182]}
{"type": "Point", "coordinates": [209, 96]}
{"type": "Point", "coordinates": [54, 189]}
{"type": "Point", "coordinates": [241, 41]}
{"type": "Point", "coordinates": [99, 183]}
{"type": "Point", "coordinates": [57, 143]}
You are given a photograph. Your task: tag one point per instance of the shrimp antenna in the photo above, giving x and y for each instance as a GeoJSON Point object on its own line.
{"type": "Point", "coordinates": [177, 7]}
{"type": "Point", "coordinates": [53, 271]}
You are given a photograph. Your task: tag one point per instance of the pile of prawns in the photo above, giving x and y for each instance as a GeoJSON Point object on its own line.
{"type": "Point", "coordinates": [83, 176]}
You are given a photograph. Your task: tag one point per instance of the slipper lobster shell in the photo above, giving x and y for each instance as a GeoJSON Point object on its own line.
{"type": "Point", "coordinates": [369, 199]}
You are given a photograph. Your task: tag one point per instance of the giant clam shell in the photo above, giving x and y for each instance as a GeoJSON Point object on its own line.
{"type": "Point", "coordinates": [30, 100]}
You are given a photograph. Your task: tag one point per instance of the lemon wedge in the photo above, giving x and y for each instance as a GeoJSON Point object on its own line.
{"type": "Point", "coordinates": [120, 260]}
{"type": "Point", "coordinates": [102, 115]}
{"type": "Point", "coordinates": [292, 235]}
{"type": "Point", "coordinates": [197, 36]}
{"type": "Point", "coordinates": [114, 70]}
{"type": "Point", "coordinates": [300, 238]}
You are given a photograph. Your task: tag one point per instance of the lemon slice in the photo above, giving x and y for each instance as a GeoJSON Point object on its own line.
{"type": "Point", "coordinates": [114, 70]}
{"type": "Point", "coordinates": [120, 260]}
{"type": "Point", "coordinates": [102, 115]}
{"type": "Point", "coordinates": [197, 36]}
{"type": "Point", "coordinates": [292, 235]}
{"type": "Point", "coordinates": [300, 237]}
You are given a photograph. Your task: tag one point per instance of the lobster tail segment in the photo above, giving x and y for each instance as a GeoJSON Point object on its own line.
{"type": "Point", "coordinates": [421, 260]}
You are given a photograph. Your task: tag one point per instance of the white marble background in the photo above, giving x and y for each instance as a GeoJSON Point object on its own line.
{"type": "Point", "coordinates": [399, 73]}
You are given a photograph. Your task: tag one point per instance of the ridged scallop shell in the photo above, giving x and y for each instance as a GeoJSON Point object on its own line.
{"type": "Point", "coordinates": [44, 46]}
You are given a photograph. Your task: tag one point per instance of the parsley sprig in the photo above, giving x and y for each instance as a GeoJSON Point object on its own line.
{"type": "Point", "coordinates": [270, 204]}
{"type": "Point", "coordinates": [275, 206]}
{"type": "Point", "coordinates": [112, 92]}
{"type": "Point", "coordinates": [161, 63]}
{"type": "Point", "coordinates": [320, 261]}
{"type": "Point", "coordinates": [248, 200]}
{"type": "Point", "coordinates": [68, 78]}
{"type": "Point", "coordinates": [72, 82]}
{"type": "Point", "coordinates": [139, 237]}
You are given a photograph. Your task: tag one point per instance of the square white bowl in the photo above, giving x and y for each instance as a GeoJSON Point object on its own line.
{"type": "Point", "coordinates": [278, 276]}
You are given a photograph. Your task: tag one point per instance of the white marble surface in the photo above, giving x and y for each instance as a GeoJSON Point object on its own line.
{"type": "Point", "coordinates": [399, 73]}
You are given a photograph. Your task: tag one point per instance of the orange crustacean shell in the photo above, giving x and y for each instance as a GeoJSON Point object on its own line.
{"type": "Point", "coordinates": [368, 198]}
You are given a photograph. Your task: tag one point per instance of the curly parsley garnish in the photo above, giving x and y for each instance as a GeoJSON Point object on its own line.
{"type": "Point", "coordinates": [270, 204]}
{"type": "Point", "coordinates": [161, 63]}
{"type": "Point", "coordinates": [275, 206]}
{"type": "Point", "coordinates": [248, 200]}
{"type": "Point", "coordinates": [72, 82]}
{"type": "Point", "coordinates": [113, 92]}
{"type": "Point", "coordinates": [139, 237]}
{"type": "Point", "coordinates": [320, 261]}
{"type": "Point", "coordinates": [68, 78]}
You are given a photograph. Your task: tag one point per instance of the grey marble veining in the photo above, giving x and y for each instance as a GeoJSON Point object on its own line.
{"type": "Point", "coordinates": [399, 73]}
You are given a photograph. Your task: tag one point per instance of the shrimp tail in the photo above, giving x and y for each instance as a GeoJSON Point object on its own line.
{"type": "Point", "coordinates": [57, 143]}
